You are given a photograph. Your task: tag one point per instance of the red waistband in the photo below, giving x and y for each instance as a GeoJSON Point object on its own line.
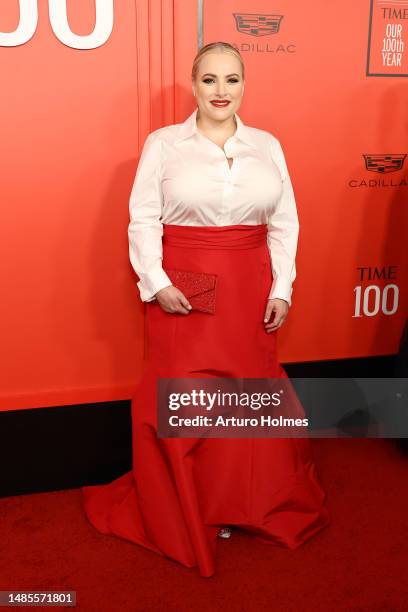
{"type": "Point", "coordinates": [215, 236]}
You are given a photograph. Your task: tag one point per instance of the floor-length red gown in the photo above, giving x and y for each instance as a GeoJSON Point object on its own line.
{"type": "Point", "coordinates": [182, 490]}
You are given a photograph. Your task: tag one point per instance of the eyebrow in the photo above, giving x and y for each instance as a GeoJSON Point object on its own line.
{"type": "Point", "coordinates": [214, 75]}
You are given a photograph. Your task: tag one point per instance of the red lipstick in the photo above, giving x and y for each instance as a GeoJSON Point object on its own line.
{"type": "Point", "coordinates": [220, 103]}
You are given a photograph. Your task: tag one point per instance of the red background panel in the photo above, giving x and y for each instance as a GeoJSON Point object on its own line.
{"type": "Point", "coordinates": [73, 123]}
{"type": "Point", "coordinates": [307, 85]}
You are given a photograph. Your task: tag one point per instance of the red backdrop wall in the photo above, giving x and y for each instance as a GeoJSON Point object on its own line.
{"type": "Point", "coordinates": [74, 121]}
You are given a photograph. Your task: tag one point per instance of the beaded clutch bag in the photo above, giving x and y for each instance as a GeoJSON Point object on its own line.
{"type": "Point", "coordinates": [198, 287]}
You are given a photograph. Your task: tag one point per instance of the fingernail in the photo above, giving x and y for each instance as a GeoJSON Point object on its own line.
{"type": "Point", "coordinates": [189, 307]}
{"type": "Point", "coordinates": [265, 320]}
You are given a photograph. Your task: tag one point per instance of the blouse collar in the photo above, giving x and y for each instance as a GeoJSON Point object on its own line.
{"type": "Point", "coordinates": [189, 128]}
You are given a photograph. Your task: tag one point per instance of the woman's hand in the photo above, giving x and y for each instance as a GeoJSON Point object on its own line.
{"type": "Point", "coordinates": [280, 308]}
{"type": "Point", "coordinates": [173, 300]}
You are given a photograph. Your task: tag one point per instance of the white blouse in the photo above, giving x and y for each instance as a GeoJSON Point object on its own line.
{"type": "Point", "coordinates": [184, 178]}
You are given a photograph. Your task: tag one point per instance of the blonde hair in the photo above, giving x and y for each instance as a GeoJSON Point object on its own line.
{"type": "Point", "coordinates": [216, 46]}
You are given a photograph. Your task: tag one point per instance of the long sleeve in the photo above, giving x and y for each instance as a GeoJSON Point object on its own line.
{"type": "Point", "coordinates": [145, 228]}
{"type": "Point", "coordinates": [283, 232]}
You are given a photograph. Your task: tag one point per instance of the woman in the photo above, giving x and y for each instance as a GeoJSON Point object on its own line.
{"type": "Point", "coordinates": [211, 196]}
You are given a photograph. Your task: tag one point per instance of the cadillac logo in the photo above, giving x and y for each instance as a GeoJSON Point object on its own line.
{"type": "Point", "coordinates": [257, 25]}
{"type": "Point", "coordinates": [383, 164]}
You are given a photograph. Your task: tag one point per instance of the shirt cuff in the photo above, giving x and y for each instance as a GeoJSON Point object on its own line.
{"type": "Point", "coordinates": [151, 282]}
{"type": "Point", "coordinates": [282, 289]}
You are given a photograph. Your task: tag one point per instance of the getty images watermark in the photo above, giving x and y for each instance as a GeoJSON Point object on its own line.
{"type": "Point", "coordinates": [282, 407]}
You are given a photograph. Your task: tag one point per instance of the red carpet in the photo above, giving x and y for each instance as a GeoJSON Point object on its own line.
{"type": "Point", "coordinates": [359, 562]}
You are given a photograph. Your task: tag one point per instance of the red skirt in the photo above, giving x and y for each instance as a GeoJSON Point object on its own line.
{"type": "Point", "coordinates": [181, 490]}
